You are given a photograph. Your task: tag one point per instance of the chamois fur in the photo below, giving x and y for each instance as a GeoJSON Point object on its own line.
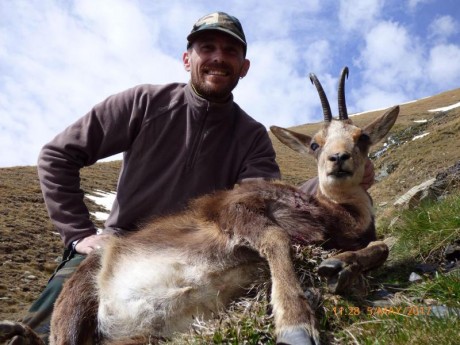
{"type": "Point", "coordinates": [152, 283]}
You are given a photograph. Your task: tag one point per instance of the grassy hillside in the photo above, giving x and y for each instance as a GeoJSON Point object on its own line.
{"type": "Point", "coordinates": [30, 248]}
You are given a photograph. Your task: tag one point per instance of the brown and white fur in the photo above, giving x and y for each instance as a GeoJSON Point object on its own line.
{"type": "Point", "coordinates": [154, 282]}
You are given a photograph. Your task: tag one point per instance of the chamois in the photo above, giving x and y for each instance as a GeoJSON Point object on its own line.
{"type": "Point", "coordinates": [153, 282]}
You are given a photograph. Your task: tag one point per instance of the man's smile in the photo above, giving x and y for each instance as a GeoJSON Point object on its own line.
{"type": "Point", "coordinates": [217, 72]}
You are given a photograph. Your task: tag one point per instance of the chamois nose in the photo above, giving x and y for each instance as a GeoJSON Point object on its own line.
{"type": "Point", "coordinates": [339, 157]}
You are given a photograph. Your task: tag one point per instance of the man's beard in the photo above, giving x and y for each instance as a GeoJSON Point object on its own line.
{"type": "Point", "coordinates": [211, 92]}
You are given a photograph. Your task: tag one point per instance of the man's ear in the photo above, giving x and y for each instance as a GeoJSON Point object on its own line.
{"type": "Point", "coordinates": [245, 68]}
{"type": "Point", "coordinates": [186, 60]}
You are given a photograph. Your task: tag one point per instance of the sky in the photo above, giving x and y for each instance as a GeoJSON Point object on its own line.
{"type": "Point", "coordinates": [58, 58]}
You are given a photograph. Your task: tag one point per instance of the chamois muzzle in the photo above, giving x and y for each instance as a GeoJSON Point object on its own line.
{"type": "Point", "coordinates": [339, 157]}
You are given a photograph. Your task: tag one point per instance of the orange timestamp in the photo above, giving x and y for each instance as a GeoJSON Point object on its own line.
{"type": "Point", "coordinates": [382, 311]}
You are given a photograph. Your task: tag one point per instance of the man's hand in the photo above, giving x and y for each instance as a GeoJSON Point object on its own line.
{"type": "Point", "coordinates": [369, 174]}
{"type": "Point", "coordinates": [88, 244]}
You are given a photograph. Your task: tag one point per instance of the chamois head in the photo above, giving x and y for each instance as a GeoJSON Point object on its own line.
{"type": "Point", "coordinates": [340, 148]}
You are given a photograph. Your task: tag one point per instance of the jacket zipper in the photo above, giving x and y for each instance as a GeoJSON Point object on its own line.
{"type": "Point", "coordinates": [197, 141]}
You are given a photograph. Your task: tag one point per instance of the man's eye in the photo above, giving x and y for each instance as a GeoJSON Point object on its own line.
{"type": "Point", "coordinates": [206, 47]}
{"type": "Point", "coordinates": [314, 146]}
{"type": "Point", "coordinates": [232, 51]}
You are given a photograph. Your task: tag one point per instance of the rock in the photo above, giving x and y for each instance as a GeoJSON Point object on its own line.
{"type": "Point", "coordinates": [416, 194]}
{"type": "Point", "coordinates": [382, 294]}
{"type": "Point", "coordinates": [385, 170]}
{"type": "Point", "coordinates": [8, 264]}
{"type": "Point", "coordinates": [452, 252]}
{"type": "Point", "coordinates": [431, 189]}
{"type": "Point", "coordinates": [449, 178]}
{"type": "Point", "coordinates": [414, 278]}
{"type": "Point", "coordinates": [430, 301]}
{"type": "Point", "coordinates": [442, 311]}
{"type": "Point", "coordinates": [382, 303]}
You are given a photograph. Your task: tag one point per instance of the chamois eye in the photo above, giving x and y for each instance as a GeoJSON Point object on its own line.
{"type": "Point", "coordinates": [364, 139]}
{"type": "Point", "coordinates": [314, 146]}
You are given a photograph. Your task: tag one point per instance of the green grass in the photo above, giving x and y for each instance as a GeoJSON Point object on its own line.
{"type": "Point", "coordinates": [401, 329]}
{"type": "Point", "coordinates": [444, 288]}
{"type": "Point", "coordinates": [422, 233]}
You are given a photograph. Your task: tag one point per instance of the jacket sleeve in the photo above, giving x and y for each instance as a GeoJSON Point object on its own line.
{"type": "Point", "coordinates": [261, 159]}
{"type": "Point", "coordinates": [108, 129]}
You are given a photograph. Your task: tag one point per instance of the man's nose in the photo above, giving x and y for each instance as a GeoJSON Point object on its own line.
{"type": "Point", "coordinates": [218, 55]}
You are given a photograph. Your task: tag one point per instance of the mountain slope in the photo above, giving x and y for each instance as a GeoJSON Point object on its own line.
{"type": "Point", "coordinates": [30, 248]}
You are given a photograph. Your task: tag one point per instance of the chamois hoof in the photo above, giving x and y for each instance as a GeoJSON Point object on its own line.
{"type": "Point", "coordinates": [330, 267]}
{"type": "Point", "coordinates": [10, 329]}
{"type": "Point", "coordinates": [341, 278]}
{"type": "Point", "coordinates": [296, 337]}
{"type": "Point", "coordinates": [17, 333]}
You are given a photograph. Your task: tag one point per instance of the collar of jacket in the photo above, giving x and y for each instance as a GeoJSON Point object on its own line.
{"type": "Point", "coordinates": [218, 111]}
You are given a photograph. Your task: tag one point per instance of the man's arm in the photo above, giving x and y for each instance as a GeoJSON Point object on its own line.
{"type": "Point", "coordinates": [260, 162]}
{"type": "Point", "coordinates": [107, 129]}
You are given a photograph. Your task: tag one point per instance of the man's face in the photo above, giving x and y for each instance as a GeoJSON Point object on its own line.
{"type": "Point", "coordinates": [215, 61]}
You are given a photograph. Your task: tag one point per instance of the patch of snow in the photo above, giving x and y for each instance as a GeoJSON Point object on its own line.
{"type": "Point", "coordinates": [365, 112]}
{"type": "Point", "coordinates": [104, 199]}
{"type": "Point", "coordinates": [421, 121]}
{"type": "Point", "coordinates": [449, 107]}
{"type": "Point", "coordinates": [420, 136]}
{"type": "Point", "coordinates": [102, 216]}
{"type": "Point", "coordinates": [380, 109]}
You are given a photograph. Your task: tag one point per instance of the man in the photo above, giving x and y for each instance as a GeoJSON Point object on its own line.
{"type": "Point", "coordinates": [179, 141]}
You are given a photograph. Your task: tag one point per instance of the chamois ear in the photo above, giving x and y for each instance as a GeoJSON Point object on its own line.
{"type": "Point", "coordinates": [296, 141]}
{"type": "Point", "coordinates": [379, 128]}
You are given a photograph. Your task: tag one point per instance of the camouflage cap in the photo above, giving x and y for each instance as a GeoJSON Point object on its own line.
{"type": "Point", "coordinates": [219, 21]}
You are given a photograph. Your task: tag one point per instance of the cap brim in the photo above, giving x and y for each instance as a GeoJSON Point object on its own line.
{"type": "Point", "coordinates": [195, 34]}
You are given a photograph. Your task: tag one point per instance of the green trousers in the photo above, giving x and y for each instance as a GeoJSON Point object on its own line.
{"type": "Point", "coordinates": [38, 316]}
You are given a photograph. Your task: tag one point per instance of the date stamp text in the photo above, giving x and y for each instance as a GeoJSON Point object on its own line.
{"type": "Point", "coordinates": [382, 311]}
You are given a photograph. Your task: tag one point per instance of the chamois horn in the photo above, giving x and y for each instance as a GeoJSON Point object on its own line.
{"type": "Point", "coordinates": [343, 114]}
{"type": "Point", "coordinates": [324, 102]}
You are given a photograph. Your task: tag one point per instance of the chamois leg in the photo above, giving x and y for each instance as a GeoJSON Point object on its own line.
{"type": "Point", "coordinates": [74, 319]}
{"type": "Point", "coordinates": [294, 318]}
{"type": "Point", "coordinates": [345, 269]}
